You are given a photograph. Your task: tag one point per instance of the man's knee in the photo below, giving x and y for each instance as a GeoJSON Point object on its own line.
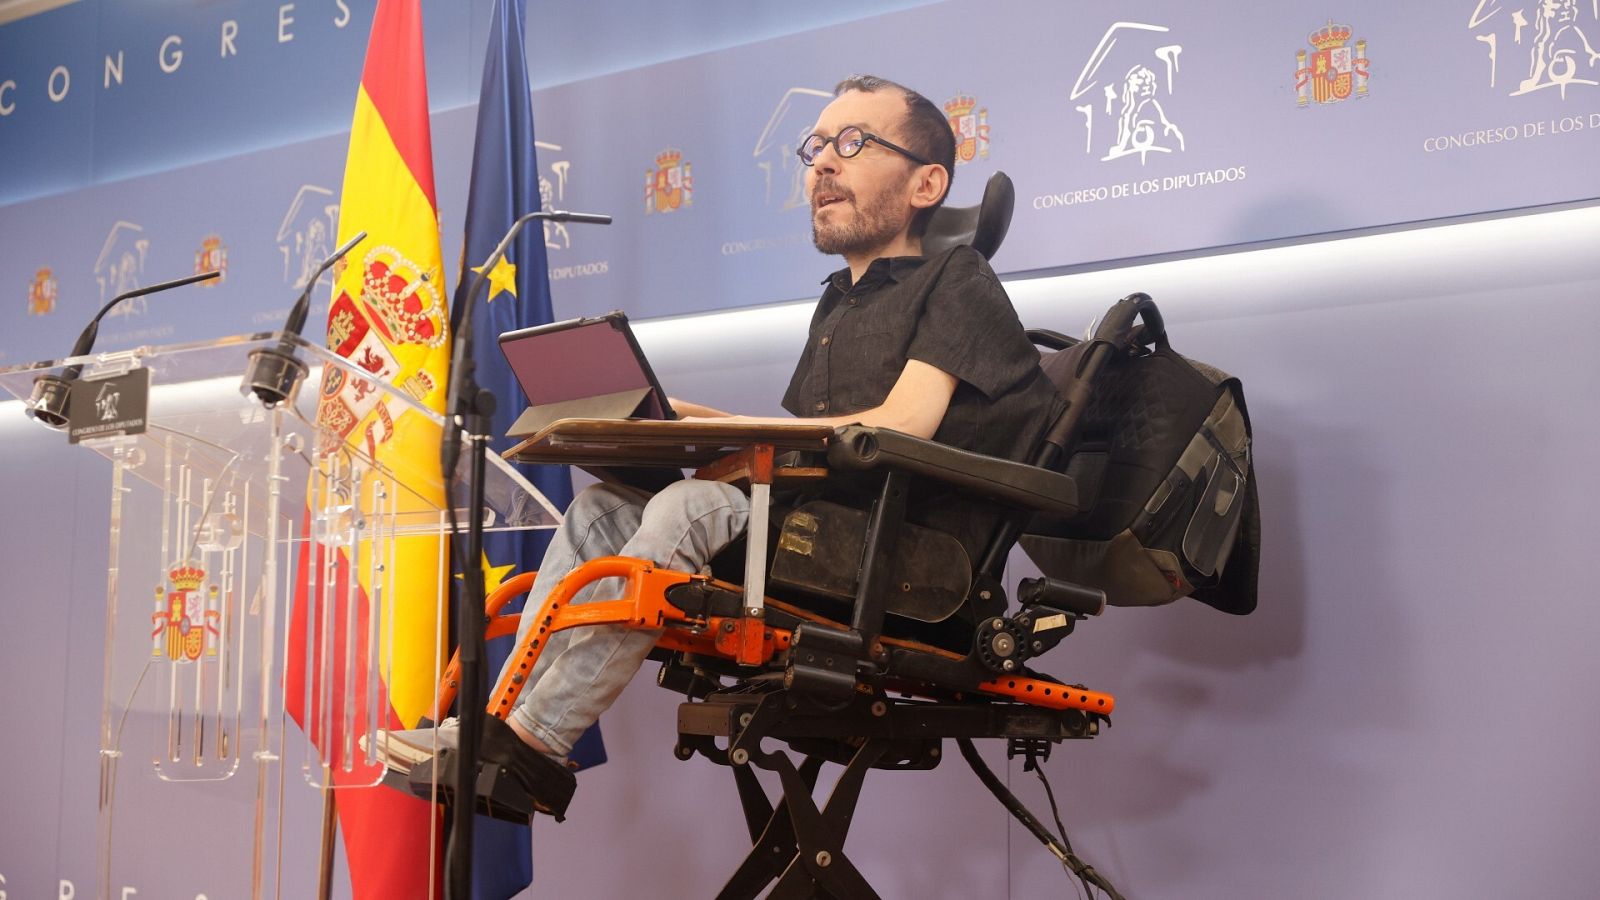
{"type": "Point", "coordinates": [693, 498]}
{"type": "Point", "coordinates": [695, 517]}
{"type": "Point", "coordinates": [601, 498]}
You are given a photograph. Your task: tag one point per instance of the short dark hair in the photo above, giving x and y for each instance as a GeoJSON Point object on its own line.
{"type": "Point", "coordinates": [927, 134]}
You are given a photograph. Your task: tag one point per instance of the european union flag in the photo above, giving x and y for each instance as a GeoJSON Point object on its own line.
{"type": "Point", "coordinates": [505, 185]}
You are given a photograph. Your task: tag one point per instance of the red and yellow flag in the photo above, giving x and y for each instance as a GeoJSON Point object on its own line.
{"type": "Point", "coordinates": [388, 317]}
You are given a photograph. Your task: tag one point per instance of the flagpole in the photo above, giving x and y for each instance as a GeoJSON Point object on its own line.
{"type": "Point", "coordinates": [330, 828]}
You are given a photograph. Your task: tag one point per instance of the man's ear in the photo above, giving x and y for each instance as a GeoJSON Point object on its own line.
{"type": "Point", "coordinates": [929, 186]}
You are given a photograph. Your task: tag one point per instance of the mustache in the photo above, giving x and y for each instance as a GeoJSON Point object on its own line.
{"type": "Point", "coordinates": [829, 186]}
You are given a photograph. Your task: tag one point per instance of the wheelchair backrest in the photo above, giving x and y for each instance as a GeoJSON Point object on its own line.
{"type": "Point", "coordinates": [1159, 446]}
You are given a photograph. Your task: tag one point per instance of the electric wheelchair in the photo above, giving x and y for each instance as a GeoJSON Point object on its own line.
{"type": "Point", "coordinates": [846, 681]}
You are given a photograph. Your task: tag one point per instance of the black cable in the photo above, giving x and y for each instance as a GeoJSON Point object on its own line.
{"type": "Point", "coordinates": [1076, 866]}
{"type": "Point", "coordinates": [1055, 813]}
{"type": "Point", "coordinates": [1031, 764]}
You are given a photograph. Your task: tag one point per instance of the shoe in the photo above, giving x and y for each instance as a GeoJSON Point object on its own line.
{"type": "Point", "coordinates": [401, 751]}
{"type": "Point", "coordinates": [514, 780]}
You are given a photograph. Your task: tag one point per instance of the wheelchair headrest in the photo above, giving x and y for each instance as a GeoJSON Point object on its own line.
{"type": "Point", "coordinates": [983, 226]}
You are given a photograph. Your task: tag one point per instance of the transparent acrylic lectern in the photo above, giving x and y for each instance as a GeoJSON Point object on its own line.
{"type": "Point", "coordinates": [263, 570]}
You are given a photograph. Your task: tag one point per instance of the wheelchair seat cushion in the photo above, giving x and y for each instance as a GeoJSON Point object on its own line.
{"type": "Point", "coordinates": [819, 551]}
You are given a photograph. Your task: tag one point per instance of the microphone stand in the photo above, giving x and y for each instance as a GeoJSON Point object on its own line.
{"type": "Point", "coordinates": [51, 393]}
{"type": "Point", "coordinates": [468, 409]}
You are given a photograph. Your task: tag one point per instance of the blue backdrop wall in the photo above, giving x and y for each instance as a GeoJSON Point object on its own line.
{"type": "Point", "coordinates": [1151, 128]}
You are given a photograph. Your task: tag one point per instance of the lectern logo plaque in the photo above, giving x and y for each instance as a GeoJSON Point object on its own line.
{"type": "Point", "coordinates": [108, 407]}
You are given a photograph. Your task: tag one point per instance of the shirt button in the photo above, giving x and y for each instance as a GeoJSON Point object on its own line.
{"type": "Point", "coordinates": [827, 340]}
{"type": "Point", "coordinates": [851, 301]}
{"type": "Point", "coordinates": [820, 406]}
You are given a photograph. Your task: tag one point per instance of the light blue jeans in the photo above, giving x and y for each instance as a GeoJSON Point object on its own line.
{"type": "Point", "coordinates": [582, 670]}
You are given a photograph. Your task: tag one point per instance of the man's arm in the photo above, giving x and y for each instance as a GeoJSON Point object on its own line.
{"type": "Point", "coordinates": [915, 405]}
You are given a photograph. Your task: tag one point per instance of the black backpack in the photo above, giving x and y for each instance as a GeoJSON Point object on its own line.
{"type": "Point", "coordinates": [1167, 496]}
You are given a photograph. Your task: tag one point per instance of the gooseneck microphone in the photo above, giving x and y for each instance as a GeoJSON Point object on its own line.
{"type": "Point", "coordinates": [274, 372]}
{"type": "Point", "coordinates": [302, 304]}
{"type": "Point", "coordinates": [51, 393]}
{"type": "Point", "coordinates": [461, 366]}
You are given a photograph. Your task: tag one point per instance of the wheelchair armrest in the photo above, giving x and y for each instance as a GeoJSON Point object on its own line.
{"type": "Point", "coordinates": [1011, 483]}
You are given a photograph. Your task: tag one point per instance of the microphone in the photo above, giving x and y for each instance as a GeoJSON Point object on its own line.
{"type": "Point", "coordinates": [274, 372]}
{"type": "Point", "coordinates": [561, 215]}
{"type": "Point", "coordinates": [461, 365]}
{"type": "Point", "coordinates": [51, 393]}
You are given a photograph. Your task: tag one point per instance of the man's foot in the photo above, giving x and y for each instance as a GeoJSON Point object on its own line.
{"type": "Point", "coordinates": [514, 780]}
{"type": "Point", "coordinates": [401, 751]}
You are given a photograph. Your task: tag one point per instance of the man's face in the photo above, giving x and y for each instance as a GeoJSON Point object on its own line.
{"type": "Point", "coordinates": [860, 204]}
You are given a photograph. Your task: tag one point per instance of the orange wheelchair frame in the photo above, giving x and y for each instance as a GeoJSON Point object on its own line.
{"type": "Point", "coordinates": [745, 641]}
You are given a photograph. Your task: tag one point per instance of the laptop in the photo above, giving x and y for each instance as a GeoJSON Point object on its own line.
{"type": "Point", "coordinates": [582, 368]}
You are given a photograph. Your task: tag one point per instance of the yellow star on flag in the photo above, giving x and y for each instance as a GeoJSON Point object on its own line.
{"type": "Point", "coordinates": [503, 277]}
{"type": "Point", "coordinates": [494, 576]}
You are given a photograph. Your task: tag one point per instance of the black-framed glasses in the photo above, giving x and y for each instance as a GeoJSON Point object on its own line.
{"type": "Point", "coordinates": [847, 143]}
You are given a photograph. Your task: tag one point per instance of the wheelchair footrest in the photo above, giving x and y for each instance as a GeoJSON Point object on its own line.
{"type": "Point", "coordinates": [511, 790]}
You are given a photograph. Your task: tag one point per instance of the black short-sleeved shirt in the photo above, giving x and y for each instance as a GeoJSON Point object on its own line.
{"type": "Point", "coordinates": [950, 312]}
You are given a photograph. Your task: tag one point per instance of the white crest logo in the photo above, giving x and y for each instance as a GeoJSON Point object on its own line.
{"type": "Point", "coordinates": [305, 237]}
{"type": "Point", "coordinates": [1132, 91]}
{"type": "Point", "coordinates": [1549, 42]}
{"type": "Point", "coordinates": [120, 267]}
{"type": "Point", "coordinates": [105, 403]}
{"type": "Point", "coordinates": [789, 124]}
{"type": "Point", "coordinates": [553, 195]}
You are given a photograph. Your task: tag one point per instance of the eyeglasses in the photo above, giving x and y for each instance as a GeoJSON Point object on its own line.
{"type": "Point", "coordinates": [847, 143]}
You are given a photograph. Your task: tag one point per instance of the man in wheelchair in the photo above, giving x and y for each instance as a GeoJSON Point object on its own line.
{"type": "Point", "coordinates": [915, 364]}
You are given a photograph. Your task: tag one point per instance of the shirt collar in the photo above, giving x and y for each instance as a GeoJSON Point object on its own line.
{"type": "Point", "coordinates": [891, 268]}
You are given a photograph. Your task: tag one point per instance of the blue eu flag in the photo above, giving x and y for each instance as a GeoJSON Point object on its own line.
{"type": "Point", "coordinates": [505, 185]}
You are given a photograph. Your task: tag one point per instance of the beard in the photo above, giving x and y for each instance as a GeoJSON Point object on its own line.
{"type": "Point", "coordinates": [874, 223]}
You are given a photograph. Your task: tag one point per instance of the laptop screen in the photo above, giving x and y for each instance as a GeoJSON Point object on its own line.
{"type": "Point", "coordinates": [581, 358]}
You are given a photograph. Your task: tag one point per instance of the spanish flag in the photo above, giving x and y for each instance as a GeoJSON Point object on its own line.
{"type": "Point", "coordinates": [388, 317]}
